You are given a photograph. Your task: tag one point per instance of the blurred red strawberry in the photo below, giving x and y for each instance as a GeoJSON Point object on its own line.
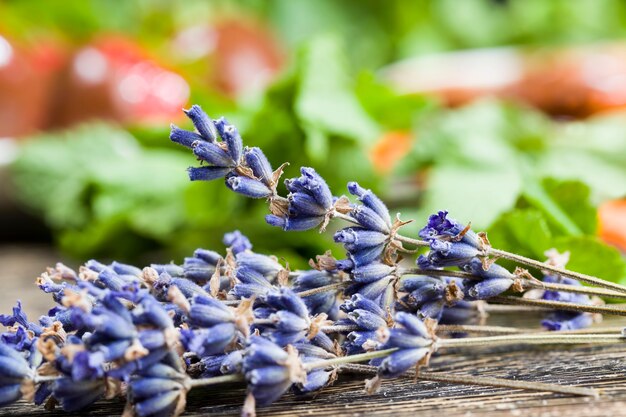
{"type": "Point", "coordinates": [114, 78]}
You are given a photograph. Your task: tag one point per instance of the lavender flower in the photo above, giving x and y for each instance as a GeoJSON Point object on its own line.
{"type": "Point", "coordinates": [413, 341]}
{"type": "Point", "coordinates": [369, 318]}
{"type": "Point", "coordinates": [495, 280]}
{"type": "Point", "coordinates": [14, 372]}
{"type": "Point", "coordinates": [310, 203]}
{"type": "Point", "coordinates": [566, 320]}
{"type": "Point", "coordinates": [270, 371]}
{"type": "Point", "coordinates": [317, 378]}
{"type": "Point", "coordinates": [158, 390]}
{"type": "Point", "coordinates": [445, 253]}
{"type": "Point", "coordinates": [288, 316]}
{"type": "Point", "coordinates": [440, 227]}
{"type": "Point", "coordinates": [372, 214]}
{"type": "Point", "coordinates": [237, 242]}
{"type": "Point", "coordinates": [322, 302]}
{"type": "Point", "coordinates": [75, 395]}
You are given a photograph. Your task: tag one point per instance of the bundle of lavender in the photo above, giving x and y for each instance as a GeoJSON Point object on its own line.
{"type": "Point", "coordinates": [153, 334]}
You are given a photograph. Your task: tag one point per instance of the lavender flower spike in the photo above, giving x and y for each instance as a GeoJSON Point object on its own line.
{"type": "Point", "coordinates": [413, 342]}
{"type": "Point", "coordinates": [270, 371]}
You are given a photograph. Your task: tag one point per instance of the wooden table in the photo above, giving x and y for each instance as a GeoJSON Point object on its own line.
{"type": "Point", "coordinates": [601, 367]}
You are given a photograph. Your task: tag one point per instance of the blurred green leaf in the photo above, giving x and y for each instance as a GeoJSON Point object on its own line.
{"type": "Point", "coordinates": [565, 203]}
{"type": "Point", "coordinates": [591, 256]}
{"type": "Point", "coordinates": [325, 98]}
{"type": "Point", "coordinates": [523, 231]}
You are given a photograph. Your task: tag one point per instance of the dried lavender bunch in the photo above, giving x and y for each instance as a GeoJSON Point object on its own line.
{"type": "Point", "coordinates": [122, 330]}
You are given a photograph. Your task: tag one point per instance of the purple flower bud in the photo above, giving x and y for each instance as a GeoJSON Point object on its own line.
{"type": "Point", "coordinates": [264, 265]}
{"type": "Point", "coordinates": [410, 283]}
{"type": "Point", "coordinates": [269, 370]}
{"type": "Point", "coordinates": [370, 200]}
{"type": "Point", "coordinates": [75, 395]}
{"type": "Point", "coordinates": [367, 320]}
{"type": "Point", "coordinates": [237, 242]}
{"type": "Point", "coordinates": [230, 135]}
{"type": "Point", "coordinates": [203, 124]}
{"type": "Point", "coordinates": [315, 380]}
{"type": "Point", "coordinates": [374, 289]}
{"type": "Point", "coordinates": [358, 301]}
{"type": "Point", "coordinates": [207, 256]}
{"type": "Point", "coordinates": [475, 267]}
{"type": "Point", "coordinates": [213, 154]}
{"type": "Point", "coordinates": [399, 362]}
{"type": "Point", "coordinates": [565, 320]}
{"type": "Point", "coordinates": [412, 325]}
{"type": "Point", "coordinates": [183, 137]}
{"type": "Point", "coordinates": [412, 340]}
{"type": "Point", "coordinates": [426, 293]}
{"type": "Point", "coordinates": [10, 394]}
{"type": "Point", "coordinates": [171, 269]}
{"type": "Point", "coordinates": [370, 220]}
{"type": "Point", "coordinates": [462, 312]}
{"type": "Point", "coordinates": [207, 173]}
{"type": "Point", "coordinates": [360, 238]}
{"type": "Point", "coordinates": [345, 265]}
{"type": "Point", "coordinates": [294, 224]}
{"type": "Point", "coordinates": [261, 168]}
{"type": "Point", "coordinates": [211, 341]}
{"type": "Point", "coordinates": [232, 362]}
{"type": "Point", "coordinates": [151, 312]}
{"type": "Point", "coordinates": [441, 227]}
{"type": "Point", "coordinates": [444, 254]}
{"type": "Point", "coordinates": [488, 288]}
{"type": "Point", "coordinates": [431, 309]}
{"type": "Point", "coordinates": [124, 269]}
{"type": "Point", "coordinates": [357, 341]}
{"type": "Point", "coordinates": [198, 270]}
{"type": "Point", "coordinates": [160, 404]}
{"type": "Point", "coordinates": [304, 205]}
{"type": "Point", "coordinates": [248, 187]}
{"type": "Point", "coordinates": [288, 300]}
{"type": "Point", "coordinates": [208, 312]}
{"type": "Point", "coordinates": [366, 256]}
{"type": "Point", "coordinates": [322, 302]}
{"type": "Point", "coordinates": [13, 366]}
{"type": "Point", "coordinates": [149, 387]}
{"type": "Point", "coordinates": [18, 317]}
{"type": "Point", "coordinates": [372, 272]}
{"type": "Point", "coordinates": [316, 186]}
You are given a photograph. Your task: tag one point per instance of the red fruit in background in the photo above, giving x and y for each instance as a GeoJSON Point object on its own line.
{"type": "Point", "coordinates": [390, 148]}
{"type": "Point", "coordinates": [612, 221]}
{"type": "Point", "coordinates": [243, 55]}
{"type": "Point", "coordinates": [113, 78]}
{"type": "Point", "coordinates": [27, 75]}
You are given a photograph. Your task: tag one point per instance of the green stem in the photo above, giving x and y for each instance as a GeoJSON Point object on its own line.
{"type": "Point", "coordinates": [481, 381]}
{"type": "Point", "coordinates": [560, 305]}
{"type": "Point", "coordinates": [469, 328]}
{"type": "Point", "coordinates": [339, 328]}
{"type": "Point", "coordinates": [349, 359]}
{"type": "Point", "coordinates": [203, 382]}
{"type": "Point", "coordinates": [325, 288]}
{"type": "Point", "coordinates": [532, 339]}
{"type": "Point", "coordinates": [555, 269]}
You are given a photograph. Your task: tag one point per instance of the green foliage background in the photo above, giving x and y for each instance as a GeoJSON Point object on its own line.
{"type": "Point", "coordinates": [534, 184]}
